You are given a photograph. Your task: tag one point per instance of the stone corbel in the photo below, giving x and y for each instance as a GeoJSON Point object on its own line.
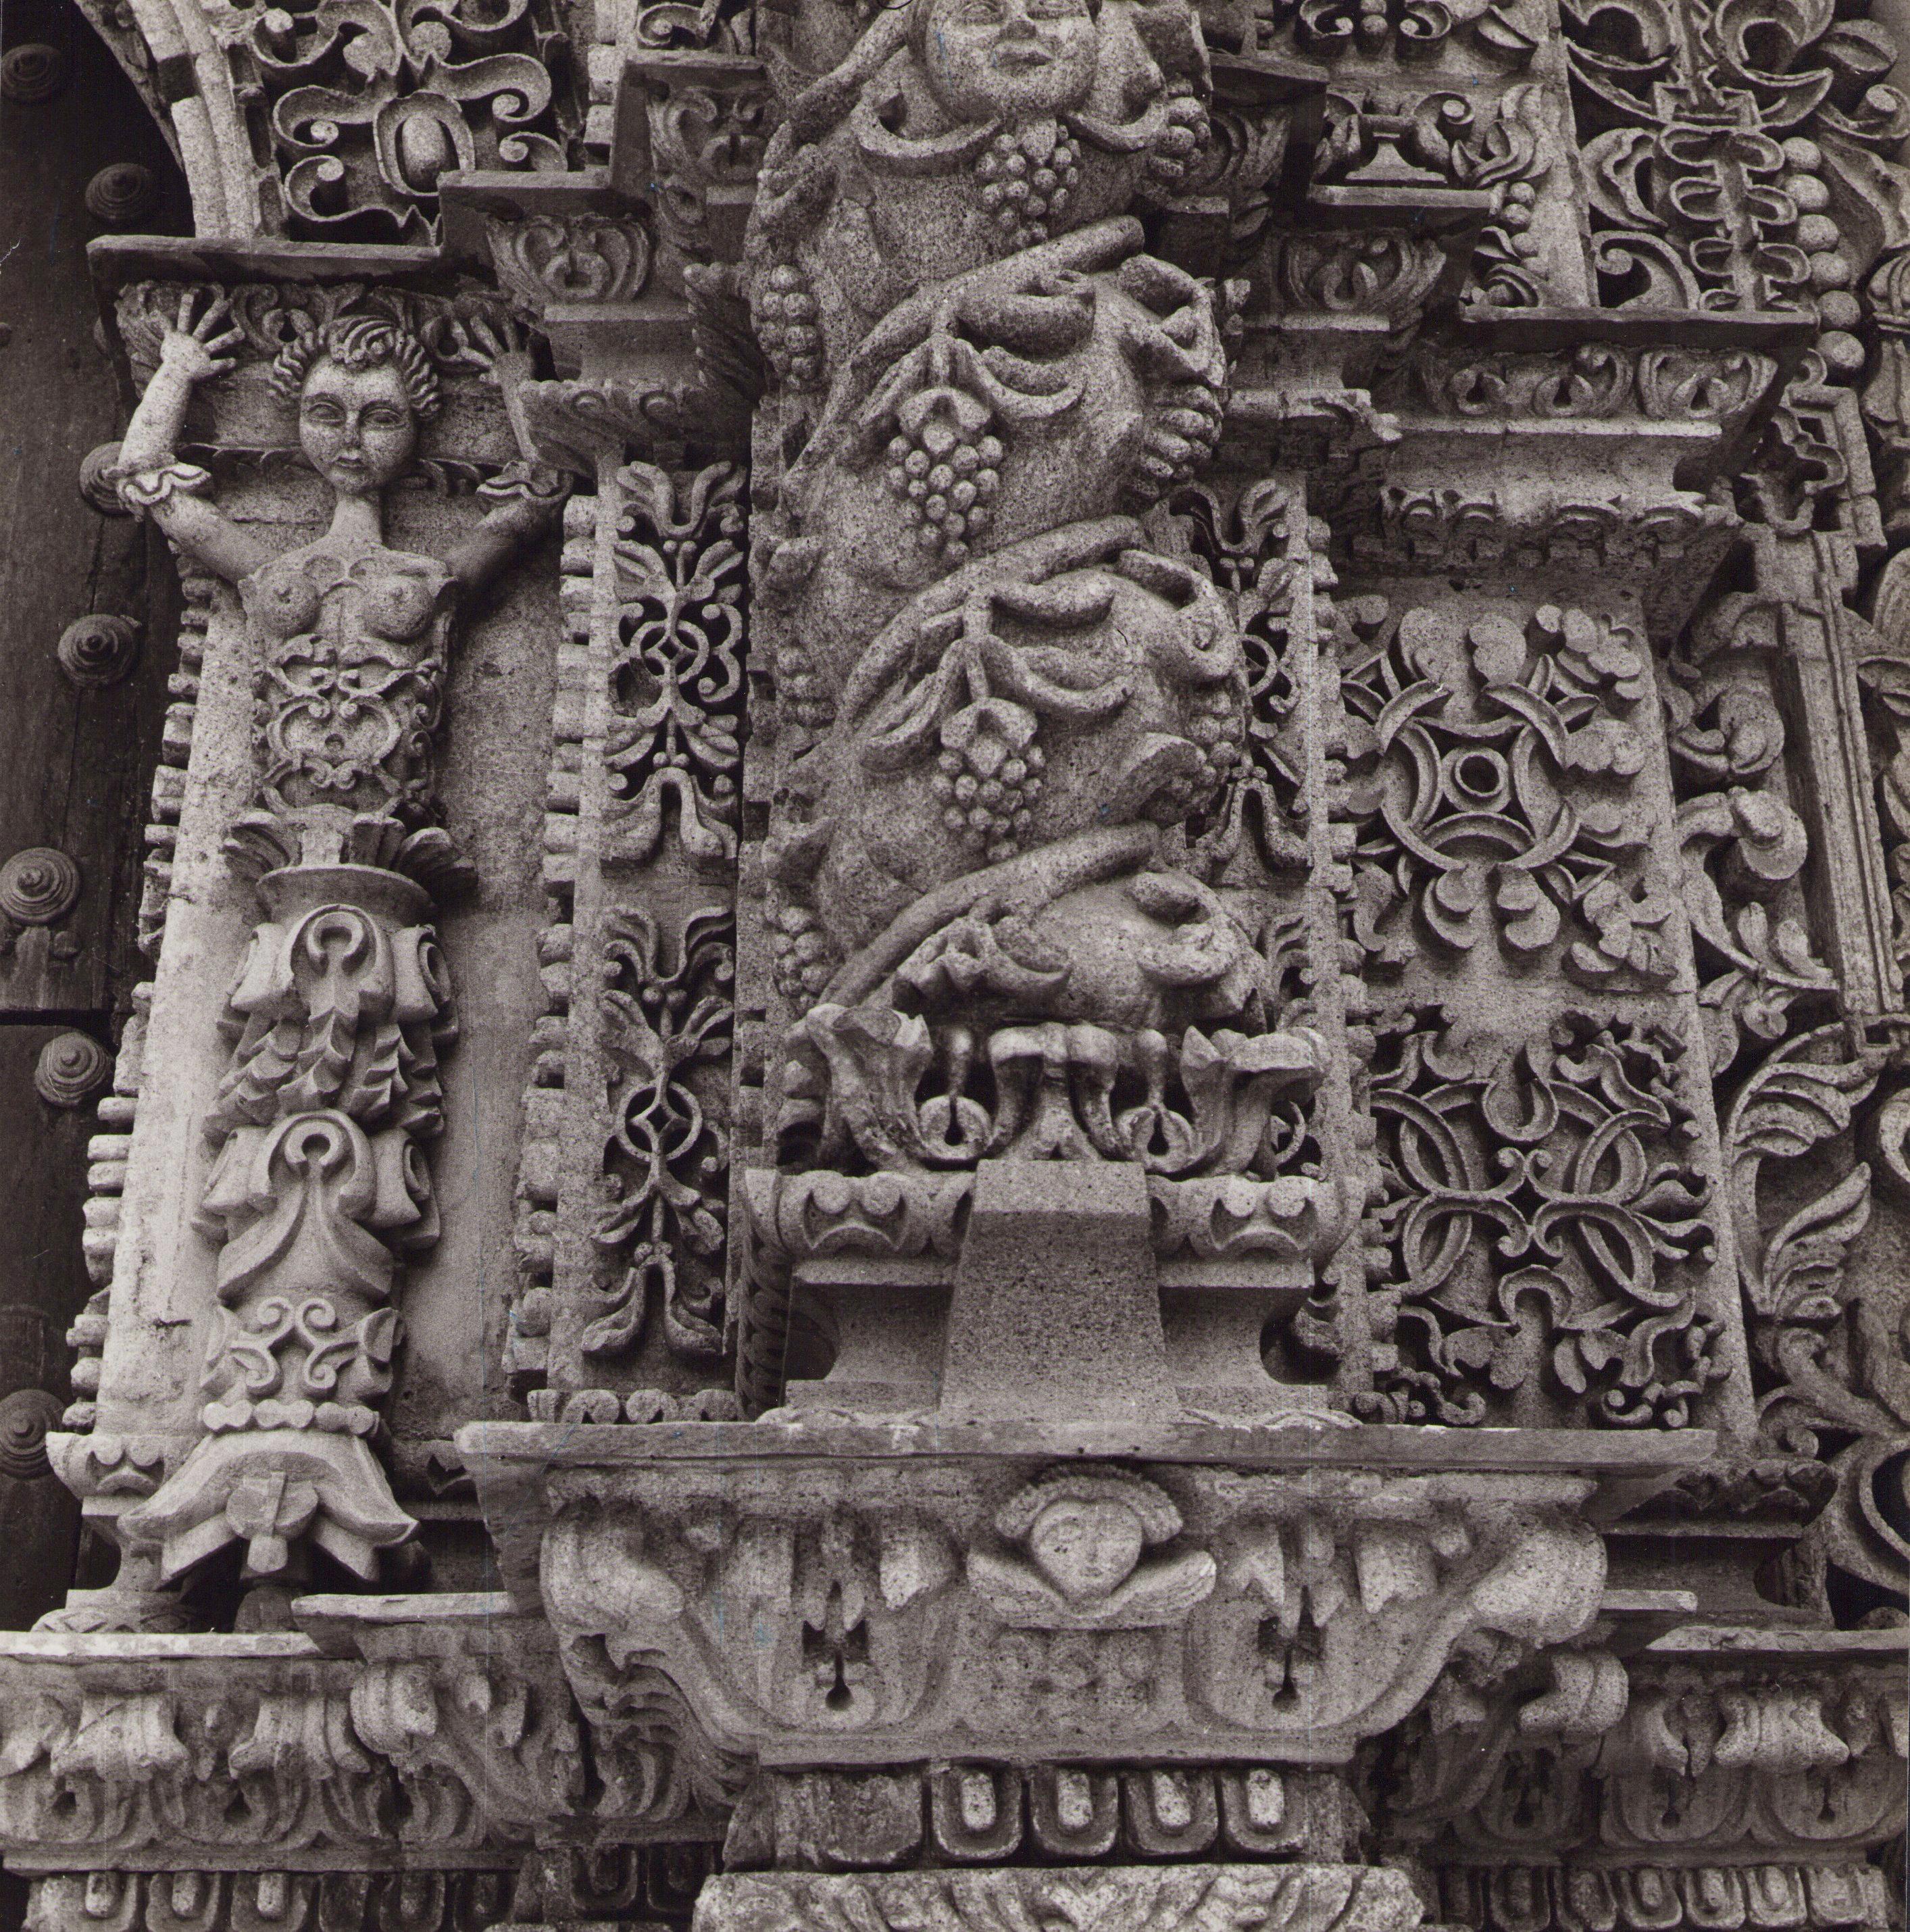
{"type": "Point", "coordinates": [1724, 373]}
{"type": "Point", "coordinates": [1351, 284]}
{"type": "Point", "coordinates": [648, 344]}
{"type": "Point", "coordinates": [1266, 113]}
{"type": "Point", "coordinates": [1492, 1712]}
{"type": "Point", "coordinates": [690, 129]}
{"type": "Point", "coordinates": [1786, 1749]}
{"type": "Point", "coordinates": [1654, 407]}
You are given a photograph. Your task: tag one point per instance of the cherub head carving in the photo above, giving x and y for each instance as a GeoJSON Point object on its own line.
{"type": "Point", "coordinates": [1008, 60]}
{"type": "Point", "coordinates": [361, 385]}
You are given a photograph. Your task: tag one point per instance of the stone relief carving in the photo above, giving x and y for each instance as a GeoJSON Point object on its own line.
{"type": "Point", "coordinates": [1787, 1766]}
{"type": "Point", "coordinates": [1718, 169]}
{"type": "Point", "coordinates": [1540, 1218]}
{"type": "Point", "coordinates": [1501, 774]}
{"type": "Point", "coordinates": [1009, 692]}
{"type": "Point", "coordinates": [418, 1900]}
{"type": "Point", "coordinates": [362, 109]}
{"type": "Point", "coordinates": [1194, 1896]}
{"type": "Point", "coordinates": [1226, 707]}
{"type": "Point", "coordinates": [342, 1005]}
{"type": "Point", "coordinates": [1084, 1602]}
{"type": "Point", "coordinates": [636, 1257]}
{"type": "Point", "coordinates": [444, 1754]}
{"type": "Point", "coordinates": [666, 1159]}
{"type": "Point", "coordinates": [677, 676]}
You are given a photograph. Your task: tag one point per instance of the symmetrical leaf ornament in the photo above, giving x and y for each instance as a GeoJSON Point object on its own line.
{"type": "Point", "coordinates": [366, 103]}
{"type": "Point", "coordinates": [1493, 773]}
{"type": "Point", "coordinates": [1720, 134]}
{"type": "Point", "coordinates": [1542, 1216]}
{"type": "Point", "coordinates": [1840, 1381]}
{"type": "Point", "coordinates": [1411, 30]}
{"type": "Point", "coordinates": [676, 678]}
{"type": "Point", "coordinates": [669, 1013]}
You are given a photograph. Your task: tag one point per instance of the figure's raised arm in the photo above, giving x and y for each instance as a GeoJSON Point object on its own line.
{"type": "Point", "coordinates": [529, 498]}
{"type": "Point", "coordinates": [526, 498]}
{"type": "Point", "coordinates": [152, 480]}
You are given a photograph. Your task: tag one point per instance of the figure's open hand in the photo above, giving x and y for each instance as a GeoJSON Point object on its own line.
{"type": "Point", "coordinates": [202, 348]}
{"type": "Point", "coordinates": [478, 342]}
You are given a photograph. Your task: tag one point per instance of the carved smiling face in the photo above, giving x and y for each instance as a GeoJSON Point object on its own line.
{"type": "Point", "coordinates": [1009, 60]}
{"type": "Point", "coordinates": [356, 425]}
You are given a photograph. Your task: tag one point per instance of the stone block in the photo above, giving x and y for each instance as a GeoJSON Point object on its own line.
{"type": "Point", "coordinates": [1108, 1898]}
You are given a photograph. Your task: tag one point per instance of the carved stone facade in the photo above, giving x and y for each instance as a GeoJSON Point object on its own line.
{"type": "Point", "coordinates": [1028, 1036]}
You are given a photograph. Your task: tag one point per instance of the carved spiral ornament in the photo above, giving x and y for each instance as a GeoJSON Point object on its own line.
{"type": "Point", "coordinates": [39, 886]}
{"type": "Point", "coordinates": [72, 1068]}
{"type": "Point", "coordinates": [96, 483]}
{"type": "Point", "coordinates": [122, 194]}
{"type": "Point", "coordinates": [99, 649]}
{"type": "Point", "coordinates": [31, 72]}
{"type": "Point", "coordinates": [25, 1417]}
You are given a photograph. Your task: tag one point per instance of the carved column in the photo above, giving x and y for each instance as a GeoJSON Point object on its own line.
{"type": "Point", "coordinates": [1048, 1164]}
{"type": "Point", "coordinates": [1175, 1197]}
{"type": "Point", "coordinates": [277, 1176]}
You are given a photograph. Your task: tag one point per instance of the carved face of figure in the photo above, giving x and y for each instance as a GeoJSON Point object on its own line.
{"type": "Point", "coordinates": [357, 425]}
{"type": "Point", "coordinates": [1013, 60]}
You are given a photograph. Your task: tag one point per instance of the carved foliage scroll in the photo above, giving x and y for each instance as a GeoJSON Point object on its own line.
{"type": "Point", "coordinates": [362, 105]}
{"type": "Point", "coordinates": [626, 1251]}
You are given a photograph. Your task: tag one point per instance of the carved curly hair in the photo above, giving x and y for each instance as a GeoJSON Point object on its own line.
{"type": "Point", "coordinates": [356, 343]}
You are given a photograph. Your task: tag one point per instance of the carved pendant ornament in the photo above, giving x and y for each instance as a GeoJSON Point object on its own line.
{"type": "Point", "coordinates": [1101, 1123]}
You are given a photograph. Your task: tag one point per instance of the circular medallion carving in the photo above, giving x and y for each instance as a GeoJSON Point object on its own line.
{"type": "Point", "coordinates": [122, 194]}
{"type": "Point", "coordinates": [97, 485]}
{"type": "Point", "coordinates": [26, 1416]}
{"type": "Point", "coordinates": [38, 886]}
{"type": "Point", "coordinates": [98, 649]}
{"type": "Point", "coordinates": [31, 72]}
{"type": "Point", "coordinates": [72, 1068]}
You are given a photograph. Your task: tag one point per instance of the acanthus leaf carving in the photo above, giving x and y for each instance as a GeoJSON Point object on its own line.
{"type": "Point", "coordinates": [1839, 1386]}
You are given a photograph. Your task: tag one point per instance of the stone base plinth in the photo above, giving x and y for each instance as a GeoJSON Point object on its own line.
{"type": "Point", "coordinates": [1105, 1898]}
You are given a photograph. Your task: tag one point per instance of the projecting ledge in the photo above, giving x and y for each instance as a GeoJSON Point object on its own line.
{"type": "Point", "coordinates": [843, 1591]}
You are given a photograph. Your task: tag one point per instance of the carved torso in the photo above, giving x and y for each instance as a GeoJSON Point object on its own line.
{"type": "Point", "coordinates": [353, 642]}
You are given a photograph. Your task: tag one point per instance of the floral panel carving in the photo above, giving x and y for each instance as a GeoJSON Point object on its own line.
{"type": "Point", "coordinates": [1730, 151]}
{"type": "Point", "coordinates": [1495, 766]}
{"type": "Point", "coordinates": [625, 1312]}
{"type": "Point", "coordinates": [1545, 1225]}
